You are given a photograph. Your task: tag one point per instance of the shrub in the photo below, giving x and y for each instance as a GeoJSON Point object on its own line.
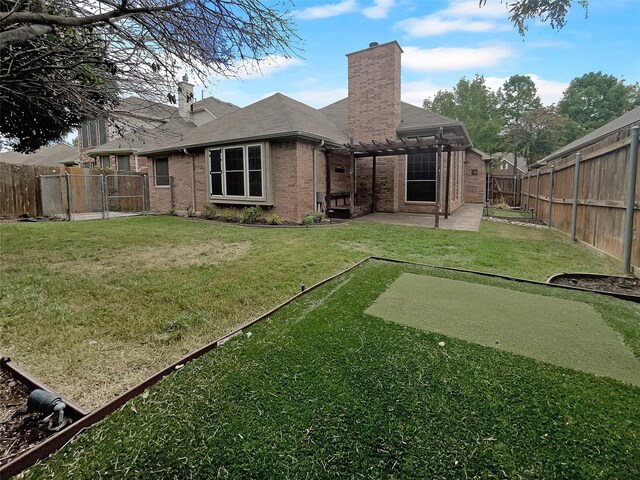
{"type": "Point", "coordinates": [316, 214]}
{"type": "Point", "coordinates": [230, 215]}
{"type": "Point", "coordinates": [274, 220]}
{"type": "Point", "coordinates": [251, 215]}
{"type": "Point", "coordinates": [191, 212]}
{"type": "Point", "coordinates": [308, 220]}
{"type": "Point", "coordinates": [209, 212]}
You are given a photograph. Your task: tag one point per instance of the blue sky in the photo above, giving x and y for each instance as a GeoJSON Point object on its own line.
{"type": "Point", "coordinates": [442, 42]}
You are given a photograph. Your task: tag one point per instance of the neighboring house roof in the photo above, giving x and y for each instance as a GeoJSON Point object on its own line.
{"type": "Point", "coordinates": [277, 116]}
{"type": "Point", "coordinates": [508, 157]}
{"type": "Point", "coordinates": [413, 120]}
{"type": "Point", "coordinates": [134, 142]}
{"type": "Point", "coordinates": [139, 107]}
{"type": "Point", "coordinates": [485, 156]}
{"type": "Point", "coordinates": [216, 107]}
{"type": "Point", "coordinates": [629, 118]}
{"type": "Point", "coordinates": [51, 155]}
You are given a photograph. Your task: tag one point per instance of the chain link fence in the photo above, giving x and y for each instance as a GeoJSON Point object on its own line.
{"type": "Point", "coordinates": [90, 196]}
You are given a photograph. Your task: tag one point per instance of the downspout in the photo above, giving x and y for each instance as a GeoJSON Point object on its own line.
{"type": "Point", "coordinates": [193, 178]}
{"type": "Point", "coordinates": [315, 188]}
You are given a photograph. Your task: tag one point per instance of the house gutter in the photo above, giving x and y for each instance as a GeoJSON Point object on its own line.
{"type": "Point", "coordinates": [193, 178]}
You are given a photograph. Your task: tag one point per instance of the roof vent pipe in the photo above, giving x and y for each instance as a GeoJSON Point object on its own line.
{"type": "Point", "coordinates": [373, 44]}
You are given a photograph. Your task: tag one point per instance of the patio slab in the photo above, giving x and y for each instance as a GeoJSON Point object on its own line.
{"type": "Point", "coordinates": [466, 218]}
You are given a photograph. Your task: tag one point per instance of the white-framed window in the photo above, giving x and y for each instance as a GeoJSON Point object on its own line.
{"type": "Point", "coordinates": [161, 172]}
{"type": "Point", "coordinates": [421, 177]}
{"type": "Point", "coordinates": [237, 172]}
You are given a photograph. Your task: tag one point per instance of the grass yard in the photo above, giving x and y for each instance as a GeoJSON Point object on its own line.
{"type": "Point", "coordinates": [324, 390]}
{"type": "Point", "coordinates": [92, 308]}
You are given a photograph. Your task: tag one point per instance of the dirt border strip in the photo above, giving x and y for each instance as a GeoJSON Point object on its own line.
{"type": "Point", "coordinates": [73, 410]}
{"type": "Point", "coordinates": [60, 439]}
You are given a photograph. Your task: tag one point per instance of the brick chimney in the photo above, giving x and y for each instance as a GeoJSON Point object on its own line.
{"type": "Point", "coordinates": [374, 92]}
{"type": "Point", "coordinates": [185, 98]}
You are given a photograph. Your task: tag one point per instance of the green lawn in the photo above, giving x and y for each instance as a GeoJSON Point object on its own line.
{"type": "Point", "coordinates": [93, 308]}
{"type": "Point", "coordinates": [323, 390]}
{"type": "Point", "coordinates": [497, 212]}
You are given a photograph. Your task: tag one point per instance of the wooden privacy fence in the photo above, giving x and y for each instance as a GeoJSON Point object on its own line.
{"type": "Point", "coordinates": [601, 195]}
{"type": "Point", "coordinates": [20, 188]}
{"type": "Point", "coordinates": [505, 189]}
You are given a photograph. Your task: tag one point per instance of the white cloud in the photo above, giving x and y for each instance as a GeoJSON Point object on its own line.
{"type": "Point", "coordinates": [550, 91]}
{"type": "Point", "coordinates": [459, 17]}
{"type": "Point", "coordinates": [266, 67]}
{"type": "Point", "coordinates": [416, 92]}
{"type": "Point", "coordinates": [380, 9]}
{"type": "Point", "coordinates": [430, 26]}
{"type": "Point", "coordinates": [327, 10]}
{"type": "Point", "coordinates": [318, 98]}
{"type": "Point", "coordinates": [492, 9]}
{"type": "Point", "coordinates": [444, 59]}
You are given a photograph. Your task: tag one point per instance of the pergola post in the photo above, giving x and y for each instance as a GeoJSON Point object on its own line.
{"type": "Point", "coordinates": [436, 223]}
{"type": "Point", "coordinates": [327, 205]}
{"type": "Point", "coordinates": [373, 186]}
{"type": "Point", "coordinates": [352, 182]}
{"type": "Point", "coordinates": [447, 187]}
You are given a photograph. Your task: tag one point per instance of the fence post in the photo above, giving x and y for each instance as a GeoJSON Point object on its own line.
{"type": "Point", "coordinates": [144, 193]}
{"type": "Point", "coordinates": [550, 195]}
{"type": "Point", "coordinates": [69, 198]}
{"type": "Point", "coordinates": [632, 172]}
{"type": "Point", "coordinates": [537, 193]}
{"type": "Point", "coordinates": [103, 200]}
{"type": "Point", "coordinates": [515, 190]}
{"type": "Point", "coordinates": [576, 186]}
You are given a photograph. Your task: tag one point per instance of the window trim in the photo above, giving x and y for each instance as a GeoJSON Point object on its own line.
{"type": "Point", "coordinates": [155, 173]}
{"type": "Point", "coordinates": [245, 164]}
{"type": "Point", "coordinates": [406, 181]}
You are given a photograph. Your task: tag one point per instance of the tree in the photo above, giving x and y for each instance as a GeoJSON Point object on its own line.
{"type": "Point", "coordinates": [552, 11]}
{"type": "Point", "coordinates": [518, 99]}
{"type": "Point", "coordinates": [67, 61]}
{"type": "Point", "coordinates": [472, 102]}
{"type": "Point", "coordinates": [536, 134]}
{"type": "Point", "coordinates": [596, 98]}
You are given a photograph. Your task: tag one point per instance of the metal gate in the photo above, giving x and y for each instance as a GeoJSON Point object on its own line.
{"type": "Point", "coordinates": [84, 197]}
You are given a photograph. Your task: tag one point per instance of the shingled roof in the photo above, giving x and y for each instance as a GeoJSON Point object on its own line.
{"type": "Point", "coordinates": [277, 116]}
{"type": "Point", "coordinates": [142, 139]}
{"type": "Point", "coordinates": [413, 120]}
{"type": "Point", "coordinates": [51, 155]}
{"type": "Point", "coordinates": [215, 106]}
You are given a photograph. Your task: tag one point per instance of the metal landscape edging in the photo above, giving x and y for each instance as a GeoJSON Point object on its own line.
{"type": "Point", "coordinates": [60, 439]}
{"type": "Point", "coordinates": [621, 296]}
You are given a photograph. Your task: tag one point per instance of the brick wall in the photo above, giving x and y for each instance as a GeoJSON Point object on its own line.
{"type": "Point", "coordinates": [474, 185]}
{"type": "Point", "coordinates": [180, 169]}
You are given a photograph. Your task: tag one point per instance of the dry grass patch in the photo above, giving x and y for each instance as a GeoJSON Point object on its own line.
{"type": "Point", "coordinates": [162, 257]}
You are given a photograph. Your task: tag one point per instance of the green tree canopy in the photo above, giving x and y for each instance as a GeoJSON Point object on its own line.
{"type": "Point", "coordinates": [518, 97]}
{"type": "Point", "coordinates": [472, 102]}
{"type": "Point", "coordinates": [596, 98]}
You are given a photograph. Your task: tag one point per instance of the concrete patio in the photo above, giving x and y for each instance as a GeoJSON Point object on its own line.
{"type": "Point", "coordinates": [466, 218]}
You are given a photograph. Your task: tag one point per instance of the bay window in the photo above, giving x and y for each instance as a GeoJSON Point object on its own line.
{"type": "Point", "coordinates": [237, 172]}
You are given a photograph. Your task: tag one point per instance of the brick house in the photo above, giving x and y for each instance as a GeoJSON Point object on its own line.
{"type": "Point", "coordinates": [368, 152]}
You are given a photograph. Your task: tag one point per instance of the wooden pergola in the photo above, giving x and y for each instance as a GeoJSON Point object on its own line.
{"type": "Point", "coordinates": [438, 144]}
